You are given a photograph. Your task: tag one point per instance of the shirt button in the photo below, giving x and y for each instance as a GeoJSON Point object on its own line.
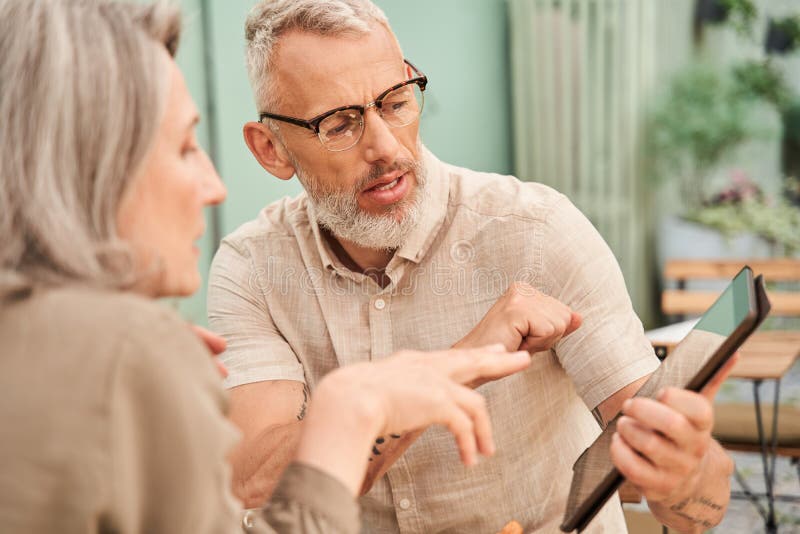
{"type": "Point", "coordinates": [405, 504]}
{"type": "Point", "coordinates": [248, 520]}
{"type": "Point", "coordinates": [380, 304]}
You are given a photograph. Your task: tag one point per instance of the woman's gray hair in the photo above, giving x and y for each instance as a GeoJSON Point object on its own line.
{"type": "Point", "coordinates": [270, 19]}
{"type": "Point", "coordinates": [83, 87]}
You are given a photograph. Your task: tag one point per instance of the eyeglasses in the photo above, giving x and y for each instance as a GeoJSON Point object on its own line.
{"type": "Point", "coordinates": [341, 128]}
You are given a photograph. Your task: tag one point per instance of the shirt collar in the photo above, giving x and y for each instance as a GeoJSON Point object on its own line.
{"type": "Point", "coordinates": [329, 260]}
{"type": "Point", "coordinates": [434, 210]}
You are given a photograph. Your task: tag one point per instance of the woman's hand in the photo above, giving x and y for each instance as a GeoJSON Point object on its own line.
{"type": "Point", "coordinates": [408, 391]}
{"type": "Point", "coordinates": [214, 343]}
{"type": "Point", "coordinates": [412, 390]}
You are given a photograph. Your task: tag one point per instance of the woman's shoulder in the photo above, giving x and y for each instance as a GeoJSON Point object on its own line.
{"type": "Point", "coordinates": [113, 376]}
{"type": "Point", "coordinates": [105, 315]}
{"type": "Point", "coordinates": [104, 340]}
{"type": "Point", "coordinates": [98, 323]}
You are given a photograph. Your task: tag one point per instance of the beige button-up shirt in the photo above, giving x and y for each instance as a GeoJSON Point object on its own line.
{"type": "Point", "coordinates": [291, 310]}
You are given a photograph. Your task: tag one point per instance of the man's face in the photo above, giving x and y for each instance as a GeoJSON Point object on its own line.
{"type": "Point", "coordinates": [370, 194]}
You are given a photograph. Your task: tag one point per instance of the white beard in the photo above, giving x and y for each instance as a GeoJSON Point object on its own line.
{"type": "Point", "coordinates": [339, 212]}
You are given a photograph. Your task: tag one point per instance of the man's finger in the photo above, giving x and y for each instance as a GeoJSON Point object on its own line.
{"type": "Point", "coordinates": [634, 467]}
{"type": "Point", "coordinates": [694, 406]}
{"type": "Point", "coordinates": [575, 322]}
{"type": "Point", "coordinates": [662, 418]}
{"type": "Point", "coordinates": [640, 472]}
{"type": "Point", "coordinates": [531, 345]}
{"type": "Point", "coordinates": [653, 446]}
{"type": "Point", "coordinates": [711, 389]}
{"type": "Point", "coordinates": [544, 331]}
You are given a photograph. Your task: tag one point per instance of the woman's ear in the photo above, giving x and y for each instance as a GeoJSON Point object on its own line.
{"type": "Point", "coordinates": [268, 150]}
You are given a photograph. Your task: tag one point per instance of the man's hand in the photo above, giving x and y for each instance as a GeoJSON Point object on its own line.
{"type": "Point", "coordinates": [523, 319]}
{"type": "Point", "coordinates": [661, 445]}
{"type": "Point", "coordinates": [214, 343]}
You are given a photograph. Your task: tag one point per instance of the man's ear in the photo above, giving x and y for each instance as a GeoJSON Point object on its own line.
{"type": "Point", "coordinates": [269, 152]}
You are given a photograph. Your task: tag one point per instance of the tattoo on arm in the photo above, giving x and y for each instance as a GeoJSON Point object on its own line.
{"type": "Point", "coordinates": [380, 441]}
{"type": "Point", "coordinates": [302, 414]}
{"type": "Point", "coordinates": [704, 504]}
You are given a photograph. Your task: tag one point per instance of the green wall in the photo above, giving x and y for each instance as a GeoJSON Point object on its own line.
{"type": "Point", "coordinates": [461, 46]}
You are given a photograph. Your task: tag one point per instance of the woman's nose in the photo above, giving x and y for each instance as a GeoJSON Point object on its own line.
{"type": "Point", "coordinates": [215, 190]}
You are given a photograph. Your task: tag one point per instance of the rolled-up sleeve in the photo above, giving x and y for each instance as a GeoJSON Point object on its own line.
{"type": "Point", "coordinates": [609, 350]}
{"type": "Point", "coordinates": [238, 311]}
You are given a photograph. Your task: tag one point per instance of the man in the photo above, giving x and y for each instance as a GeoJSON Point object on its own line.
{"type": "Point", "coordinates": [389, 248]}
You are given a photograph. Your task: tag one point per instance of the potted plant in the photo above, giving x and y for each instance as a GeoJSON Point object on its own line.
{"type": "Point", "coordinates": [711, 11]}
{"type": "Point", "coordinates": [743, 208]}
{"type": "Point", "coordinates": [791, 191]}
{"type": "Point", "coordinates": [703, 117]}
{"type": "Point", "coordinates": [762, 80]}
{"type": "Point", "coordinates": [790, 118]}
{"type": "Point", "coordinates": [783, 35]}
{"type": "Point", "coordinates": [741, 14]}
{"type": "Point", "coordinates": [707, 113]}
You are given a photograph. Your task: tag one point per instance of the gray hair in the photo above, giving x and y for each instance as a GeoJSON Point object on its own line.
{"type": "Point", "coordinates": [83, 87]}
{"type": "Point", "coordinates": [270, 19]}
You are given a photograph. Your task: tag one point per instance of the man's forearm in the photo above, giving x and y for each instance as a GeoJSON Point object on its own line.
{"type": "Point", "coordinates": [385, 452]}
{"type": "Point", "coordinates": [703, 506]}
{"type": "Point", "coordinates": [258, 463]}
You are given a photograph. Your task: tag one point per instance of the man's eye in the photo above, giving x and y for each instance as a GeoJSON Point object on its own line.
{"type": "Point", "coordinates": [339, 129]}
{"type": "Point", "coordinates": [397, 105]}
{"type": "Point", "coordinates": [339, 125]}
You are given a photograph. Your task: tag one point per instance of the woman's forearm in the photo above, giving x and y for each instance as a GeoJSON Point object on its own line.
{"type": "Point", "coordinates": [338, 434]}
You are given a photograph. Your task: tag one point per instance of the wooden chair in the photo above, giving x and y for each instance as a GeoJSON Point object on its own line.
{"type": "Point", "coordinates": [766, 355]}
{"type": "Point", "coordinates": [683, 301]}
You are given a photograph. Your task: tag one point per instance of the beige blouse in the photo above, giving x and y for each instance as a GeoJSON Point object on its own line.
{"type": "Point", "coordinates": [113, 420]}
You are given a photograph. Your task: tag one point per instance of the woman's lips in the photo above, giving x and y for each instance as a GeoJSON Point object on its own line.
{"type": "Point", "coordinates": [388, 192]}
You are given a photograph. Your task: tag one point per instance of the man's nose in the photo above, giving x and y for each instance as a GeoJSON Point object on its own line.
{"type": "Point", "coordinates": [379, 143]}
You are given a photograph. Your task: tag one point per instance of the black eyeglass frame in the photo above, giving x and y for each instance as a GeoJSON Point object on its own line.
{"type": "Point", "coordinates": [313, 124]}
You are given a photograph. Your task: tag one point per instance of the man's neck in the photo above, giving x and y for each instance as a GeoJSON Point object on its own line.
{"type": "Point", "coordinates": [368, 261]}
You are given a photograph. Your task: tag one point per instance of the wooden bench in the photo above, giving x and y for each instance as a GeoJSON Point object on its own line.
{"type": "Point", "coordinates": [684, 301]}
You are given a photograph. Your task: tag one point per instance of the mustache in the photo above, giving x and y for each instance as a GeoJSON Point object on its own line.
{"type": "Point", "coordinates": [377, 171]}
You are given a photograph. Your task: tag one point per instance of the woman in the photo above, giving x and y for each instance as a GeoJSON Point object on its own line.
{"type": "Point", "coordinates": [112, 414]}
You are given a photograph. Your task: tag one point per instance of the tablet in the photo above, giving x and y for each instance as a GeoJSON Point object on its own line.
{"type": "Point", "coordinates": [693, 362]}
